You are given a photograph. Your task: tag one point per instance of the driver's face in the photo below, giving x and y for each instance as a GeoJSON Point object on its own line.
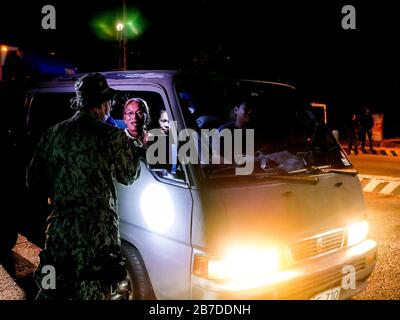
{"type": "Point", "coordinates": [244, 114]}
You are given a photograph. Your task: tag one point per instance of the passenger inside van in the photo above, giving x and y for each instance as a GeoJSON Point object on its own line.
{"type": "Point", "coordinates": [163, 121]}
{"type": "Point", "coordinates": [137, 119]}
{"type": "Point", "coordinates": [243, 117]}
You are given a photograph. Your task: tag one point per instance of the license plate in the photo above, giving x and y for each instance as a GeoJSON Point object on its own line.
{"type": "Point", "coordinates": [331, 294]}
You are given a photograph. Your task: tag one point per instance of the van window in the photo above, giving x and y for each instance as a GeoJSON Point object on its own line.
{"type": "Point", "coordinates": [159, 119]}
{"type": "Point", "coordinates": [153, 100]}
{"type": "Point", "coordinates": [287, 135]}
{"type": "Point", "coordinates": [47, 109]}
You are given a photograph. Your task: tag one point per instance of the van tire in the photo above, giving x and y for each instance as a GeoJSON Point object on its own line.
{"type": "Point", "coordinates": [140, 281]}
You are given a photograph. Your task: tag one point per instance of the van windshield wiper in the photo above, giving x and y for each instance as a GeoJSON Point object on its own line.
{"type": "Point", "coordinates": [277, 175]}
{"type": "Point", "coordinates": [289, 178]}
{"type": "Point", "coordinates": [350, 172]}
{"type": "Point", "coordinates": [328, 169]}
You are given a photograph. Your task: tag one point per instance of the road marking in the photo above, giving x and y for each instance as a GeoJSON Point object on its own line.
{"type": "Point", "coordinates": [380, 184]}
{"type": "Point", "coordinates": [371, 185]}
{"type": "Point", "coordinates": [390, 152]}
{"type": "Point", "coordinates": [390, 187]}
{"type": "Point", "coordinates": [383, 178]}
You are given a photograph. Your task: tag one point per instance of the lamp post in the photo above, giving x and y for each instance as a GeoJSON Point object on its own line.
{"type": "Point", "coordinates": [120, 37]}
{"type": "Point", "coordinates": [125, 40]}
{"type": "Point", "coordinates": [122, 40]}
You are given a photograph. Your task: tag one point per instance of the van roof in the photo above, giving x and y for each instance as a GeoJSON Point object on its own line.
{"type": "Point", "coordinates": [151, 76]}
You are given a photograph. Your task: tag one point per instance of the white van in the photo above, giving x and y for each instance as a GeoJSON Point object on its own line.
{"type": "Point", "coordinates": [292, 228]}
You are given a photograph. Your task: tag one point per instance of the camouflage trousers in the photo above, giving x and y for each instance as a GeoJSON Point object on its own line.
{"type": "Point", "coordinates": [70, 281]}
{"type": "Point", "coordinates": [84, 290]}
{"type": "Point", "coordinates": [77, 250]}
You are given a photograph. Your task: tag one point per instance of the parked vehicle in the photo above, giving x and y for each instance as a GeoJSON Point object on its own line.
{"type": "Point", "coordinates": [293, 228]}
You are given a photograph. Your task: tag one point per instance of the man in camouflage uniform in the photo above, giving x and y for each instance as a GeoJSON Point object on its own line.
{"type": "Point", "coordinates": [75, 165]}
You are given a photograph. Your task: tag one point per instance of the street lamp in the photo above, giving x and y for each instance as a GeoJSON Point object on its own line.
{"type": "Point", "coordinates": [120, 38]}
{"type": "Point", "coordinates": [119, 27]}
{"type": "Point", "coordinates": [125, 42]}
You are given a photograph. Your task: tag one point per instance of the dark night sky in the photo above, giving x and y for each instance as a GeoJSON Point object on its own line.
{"type": "Point", "coordinates": [297, 41]}
{"type": "Point", "coordinates": [299, 34]}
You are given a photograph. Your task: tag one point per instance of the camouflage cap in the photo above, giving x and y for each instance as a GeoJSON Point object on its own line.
{"type": "Point", "coordinates": [91, 90]}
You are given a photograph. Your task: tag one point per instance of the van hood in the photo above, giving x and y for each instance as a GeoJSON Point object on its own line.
{"type": "Point", "coordinates": [276, 211]}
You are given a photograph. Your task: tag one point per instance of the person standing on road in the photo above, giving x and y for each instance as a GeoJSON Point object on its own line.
{"type": "Point", "coordinates": [75, 165]}
{"type": "Point", "coordinates": [366, 125]}
{"type": "Point", "coordinates": [354, 130]}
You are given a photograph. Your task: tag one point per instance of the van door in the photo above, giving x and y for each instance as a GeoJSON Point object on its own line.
{"type": "Point", "coordinates": [156, 211]}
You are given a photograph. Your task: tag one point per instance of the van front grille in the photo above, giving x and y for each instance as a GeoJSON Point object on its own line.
{"type": "Point", "coordinates": [316, 245]}
{"type": "Point", "coordinates": [324, 279]}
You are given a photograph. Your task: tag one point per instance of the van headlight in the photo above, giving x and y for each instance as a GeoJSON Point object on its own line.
{"type": "Point", "coordinates": [237, 263]}
{"type": "Point", "coordinates": [357, 232]}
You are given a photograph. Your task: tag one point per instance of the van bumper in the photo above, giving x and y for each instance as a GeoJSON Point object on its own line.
{"type": "Point", "coordinates": [303, 280]}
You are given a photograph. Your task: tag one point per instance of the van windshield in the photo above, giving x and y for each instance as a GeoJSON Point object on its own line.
{"type": "Point", "coordinates": [280, 133]}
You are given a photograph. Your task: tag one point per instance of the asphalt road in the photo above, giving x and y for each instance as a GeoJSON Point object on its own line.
{"type": "Point", "coordinates": [384, 216]}
{"type": "Point", "coordinates": [383, 212]}
{"type": "Point", "coordinates": [376, 165]}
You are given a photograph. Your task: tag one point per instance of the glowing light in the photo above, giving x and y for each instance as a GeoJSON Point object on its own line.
{"type": "Point", "coordinates": [133, 28]}
{"type": "Point", "coordinates": [244, 262]}
{"type": "Point", "coordinates": [238, 263]}
{"type": "Point", "coordinates": [261, 281]}
{"type": "Point", "coordinates": [119, 27]}
{"type": "Point", "coordinates": [4, 48]}
{"type": "Point", "coordinates": [357, 232]}
{"type": "Point", "coordinates": [106, 25]}
{"type": "Point", "coordinates": [361, 248]}
{"type": "Point", "coordinates": [105, 29]}
{"type": "Point", "coordinates": [157, 208]}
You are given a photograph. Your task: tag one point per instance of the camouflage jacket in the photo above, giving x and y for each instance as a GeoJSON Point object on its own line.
{"type": "Point", "coordinates": [78, 160]}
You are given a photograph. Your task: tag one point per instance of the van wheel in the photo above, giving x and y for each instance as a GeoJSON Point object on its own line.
{"type": "Point", "coordinates": [138, 277]}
